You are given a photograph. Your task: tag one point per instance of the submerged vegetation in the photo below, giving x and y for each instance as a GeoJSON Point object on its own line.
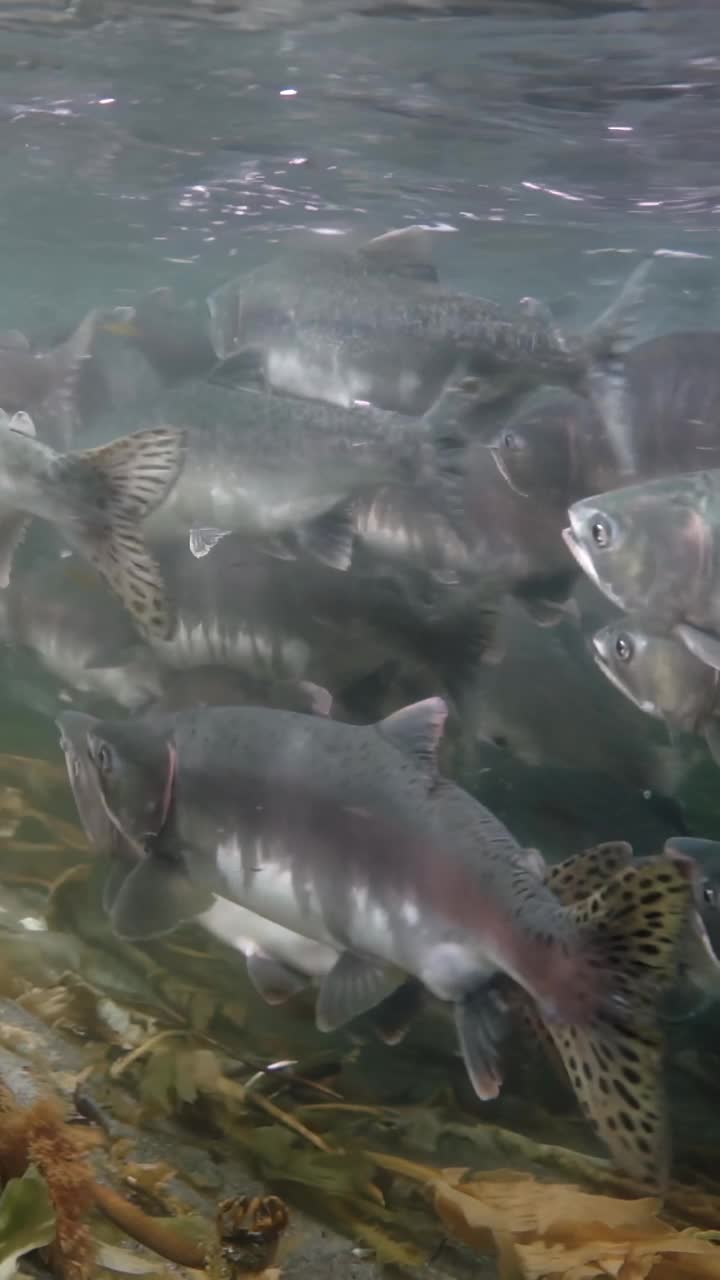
{"type": "Point", "coordinates": [158, 1120]}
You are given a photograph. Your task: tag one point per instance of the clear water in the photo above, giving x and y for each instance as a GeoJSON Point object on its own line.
{"type": "Point", "coordinates": [551, 147]}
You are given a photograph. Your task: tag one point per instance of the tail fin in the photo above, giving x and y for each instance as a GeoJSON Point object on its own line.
{"type": "Point", "coordinates": [67, 362]}
{"type": "Point", "coordinates": [117, 486]}
{"type": "Point", "coordinates": [636, 924]}
{"type": "Point", "coordinates": [584, 873]}
{"type": "Point", "coordinates": [607, 343]}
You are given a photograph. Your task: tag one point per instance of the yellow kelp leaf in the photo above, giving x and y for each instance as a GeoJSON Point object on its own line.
{"type": "Point", "coordinates": [516, 1202]}
{"type": "Point", "coordinates": [625, 1253]}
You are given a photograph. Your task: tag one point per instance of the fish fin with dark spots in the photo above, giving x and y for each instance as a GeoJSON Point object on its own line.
{"type": "Point", "coordinates": [274, 981]}
{"type": "Point", "coordinates": [406, 251]}
{"type": "Point", "coordinates": [480, 1021]}
{"type": "Point", "coordinates": [353, 986]}
{"type": "Point", "coordinates": [13, 528]}
{"type": "Point", "coordinates": [329, 538]}
{"type": "Point", "coordinates": [636, 924]}
{"type": "Point", "coordinates": [155, 899]}
{"type": "Point", "coordinates": [584, 873]}
{"type": "Point", "coordinates": [524, 1008]}
{"type": "Point", "coordinates": [116, 486]}
{"type": "Point", "coordinates": [702, 644]}
{"type": "Point", "coordinates": [391, 1019]}
{"type": "Point", "coordinates": [417, 731]}
{"type": "Point", "coordinates": [202, 541]}
{"type": "Point", "coordinates": [66, 362]}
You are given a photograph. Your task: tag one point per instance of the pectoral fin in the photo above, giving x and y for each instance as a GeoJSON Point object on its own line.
{"type": "Point", "coordinates": [203, 540]}
{"type": "Point", "coordinates": [329, 538]}
{"type": "Point", "coordinates": [352, 987]}
{"type": "Point", "coordinates": [703, 644]}
{"type": "Point", "coordinates": [272, 979]}
{"type": "Point", "coordinates": [154, 899]}
{"type": "Point", "coordinates": [480, 1020]}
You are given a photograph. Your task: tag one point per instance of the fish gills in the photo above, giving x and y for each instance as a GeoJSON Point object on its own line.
{"type": "Point", "coordinates": [127, 479]}
{"type": "Point", "coordinates": [615, 1064]}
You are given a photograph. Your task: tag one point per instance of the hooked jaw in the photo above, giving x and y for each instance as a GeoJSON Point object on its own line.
{"type": "Point", "coordinates": [572, 537]}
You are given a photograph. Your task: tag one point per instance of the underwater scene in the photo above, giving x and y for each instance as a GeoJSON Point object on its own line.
{"type": "Point", "coordinates": [360, 639]}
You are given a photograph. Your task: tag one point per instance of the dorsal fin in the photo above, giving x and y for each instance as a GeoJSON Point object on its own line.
{"type": "Point", "coordinates": [407, 250]}
{"type": "Point", "coordinates": [23, 424]}
{"type": "Point", "coordinates": [417, 730]}
{"type": "Point", "coordinates": [13, 340]}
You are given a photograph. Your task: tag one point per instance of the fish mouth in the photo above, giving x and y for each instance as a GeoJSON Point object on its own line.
{"type": "Point", "coordinates": [121, 322]}
{"type": "Point", "coordinates": [500, 464]}
{"type": "Point", "coordinates": [601, 661]}
{"type": "Point", "coordinates": [580, 554]}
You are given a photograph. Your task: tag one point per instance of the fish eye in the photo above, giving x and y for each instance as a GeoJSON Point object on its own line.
{"type": "Point", "coordinates": [709, 895]}
{"type": "Point", "coordinates": [513, 442]}
{"type": "Point", "coordinates": [624, 648]}
{"type": "Point", "coordinates": [601, 532]}
{"type": "Point", "coordinates": [103, 758]}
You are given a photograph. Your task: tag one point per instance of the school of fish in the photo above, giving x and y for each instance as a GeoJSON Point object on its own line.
{"type": "Point", "coordinates": [330, 607]}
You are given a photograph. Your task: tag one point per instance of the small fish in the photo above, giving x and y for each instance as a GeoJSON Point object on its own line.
{"type": "Point", "coordinates": [46, 382]}
{"type": "Point", "coordinates": [653, 549]}
{"type": "Point", "coordinates": [308, 478]}
{"type": "Point", "coordinates": [554, 449]}
{"type": "Point", "coordinates": [662, 677]}
{"type": "Point", "coordinates": [347, 835]}
{"type": "Point", "coordinates": [279, 622]}
{"type": "Point", "coordinates": [373, 324]}
{"type": "Point", "coordinates": [95, 499]}
{"type": "Point", "coordinates": [531, 701]}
